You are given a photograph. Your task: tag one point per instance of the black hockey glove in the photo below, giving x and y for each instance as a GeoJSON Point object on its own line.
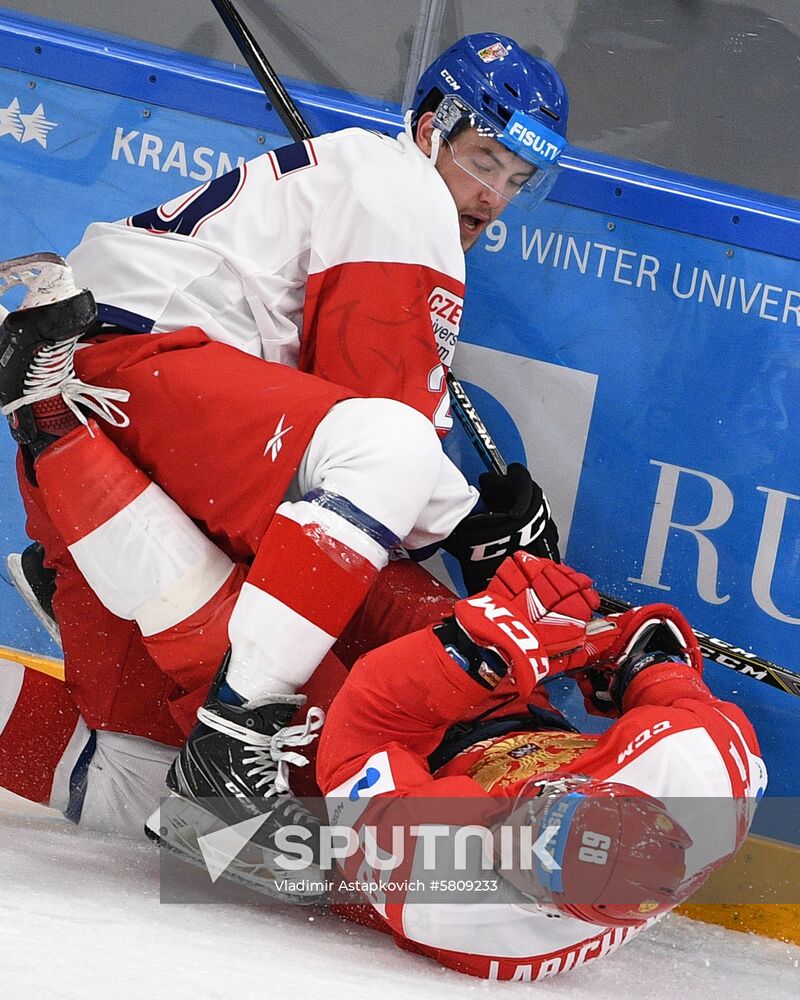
{"type": "Point", "coordinates": [518, 518]}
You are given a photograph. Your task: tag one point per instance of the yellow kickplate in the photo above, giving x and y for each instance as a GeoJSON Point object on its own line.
{"type": "Point", "coordinates": [755, 893]}
{"type": "Point", "coordinates": [773, 920]}
{"type": "Point", "coordinates": [49, 665]}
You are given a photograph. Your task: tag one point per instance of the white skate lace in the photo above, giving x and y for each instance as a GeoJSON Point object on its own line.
{"type": "Point", "coordinates": [270, 759]}
{"type": "Point", "coordinates": [52, 373]}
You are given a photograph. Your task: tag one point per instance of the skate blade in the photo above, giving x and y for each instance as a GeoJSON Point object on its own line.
{"type": "Point", "coordinates": [178, 825]}
{"type": "Point", "coordinates": [23, 588]}
{"type": "Point", "coordinates": [47, 277]}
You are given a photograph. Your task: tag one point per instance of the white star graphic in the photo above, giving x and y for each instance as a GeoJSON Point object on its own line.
{"type": "Point", "coordinates": [9, 120]}
{"type": "Point", "coordinates": [37, 127]}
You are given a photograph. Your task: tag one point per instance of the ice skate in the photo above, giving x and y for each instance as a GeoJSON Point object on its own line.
{"type": "Point", "coordinates": [234, 768]}
{"type": "Point", "coordinates": [36, 585]}
{"type": "Point", "coordinates": [37, 351]}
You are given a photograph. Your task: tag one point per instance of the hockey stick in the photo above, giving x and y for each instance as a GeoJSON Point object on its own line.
{"type": "Point", "coordinates": [262, 70]}
{"type": "Point", "coordinates": [49, 665]}
{"type": "Point", "coordinates": [734, 657]}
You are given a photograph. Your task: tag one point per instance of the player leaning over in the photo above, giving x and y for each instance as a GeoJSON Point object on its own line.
{"type": "Point", "coordinates": [242, 491]}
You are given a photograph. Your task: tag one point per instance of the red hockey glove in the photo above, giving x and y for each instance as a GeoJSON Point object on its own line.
{"type": "Point", "coordinates": [533, 615]}
{"type": "Point", "coordinates": [620, 646]}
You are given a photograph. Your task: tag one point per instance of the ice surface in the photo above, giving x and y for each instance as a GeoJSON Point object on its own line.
{"type": "Point", "coordinates": [80, 917]}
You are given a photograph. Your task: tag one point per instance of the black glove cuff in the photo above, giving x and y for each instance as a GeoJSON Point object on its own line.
{"type": "Point", "coordinates": [483, 665]}
{"type": "Point", "coordinates": [633, 666]}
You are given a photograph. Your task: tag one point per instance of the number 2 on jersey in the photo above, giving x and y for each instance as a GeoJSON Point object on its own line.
{"type": "Point", "coordinates": [437, 381]}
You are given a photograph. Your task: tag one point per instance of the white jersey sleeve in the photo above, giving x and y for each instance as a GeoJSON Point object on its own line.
{"type": "Point", "coordinates": [340, 255]}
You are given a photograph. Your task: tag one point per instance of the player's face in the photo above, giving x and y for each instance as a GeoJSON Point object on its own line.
{"type": "Point", "coordinates": [482, 176]}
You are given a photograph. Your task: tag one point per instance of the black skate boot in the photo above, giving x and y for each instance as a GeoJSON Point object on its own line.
{"type": "Point", "coordinates": [36, 585]}
{"type": "Point", "coordinates": [233, 768]}
{"type": "Point", "coordinates": [37, 349]}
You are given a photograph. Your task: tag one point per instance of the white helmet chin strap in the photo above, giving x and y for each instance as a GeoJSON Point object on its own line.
{"type": "Point", "coordinates": [436, 136]}
{"type": "Point", "coordinates": [436, 139]}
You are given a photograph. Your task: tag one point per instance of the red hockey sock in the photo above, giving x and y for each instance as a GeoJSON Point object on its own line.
{"type": "Point", "coordinates": [302, 589]}
{"type": "Point", "coordinates": [36, 730]}
{"type": "Point", "coordinates": [192, 651]}
{"type": "Point", "coordinates": [84, 480]}
{"type": "Point", "coordinates": [143, 557]}
{"type": "Point", "coordinates": [313, 573]}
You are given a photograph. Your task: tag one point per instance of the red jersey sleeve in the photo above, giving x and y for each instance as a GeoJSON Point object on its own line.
{"type": "Point", "coordinates": [396, 706]}
{"type": "Point", "coordinates": [675, 739]}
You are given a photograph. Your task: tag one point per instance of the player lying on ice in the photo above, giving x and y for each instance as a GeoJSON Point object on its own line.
{"type": "Point", "coordinates": [267, 359]}
{"type": "Point", "coordinates": [451, 726]}
{"type": "Point", "coordinates": [453, 721]}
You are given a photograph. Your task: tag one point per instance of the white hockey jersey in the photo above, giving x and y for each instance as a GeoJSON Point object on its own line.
{"type": "Point", "coordinates": [340, 255]}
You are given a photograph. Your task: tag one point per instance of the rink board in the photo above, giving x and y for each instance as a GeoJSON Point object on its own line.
{"type": "Point", "coordinates": [641, 329]}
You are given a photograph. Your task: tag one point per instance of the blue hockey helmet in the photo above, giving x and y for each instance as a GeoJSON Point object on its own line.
{"type": "Point", "coordinates": [488, 82]}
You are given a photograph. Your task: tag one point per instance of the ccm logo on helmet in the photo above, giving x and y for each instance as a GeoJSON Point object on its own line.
{"type": "Point", "coordinates": [447, 76]}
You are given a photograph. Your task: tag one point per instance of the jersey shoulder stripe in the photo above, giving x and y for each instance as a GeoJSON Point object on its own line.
{"type": "Point", "coordinates": [288, 159]}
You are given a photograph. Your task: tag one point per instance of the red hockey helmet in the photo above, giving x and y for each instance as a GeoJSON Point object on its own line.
{"type": "Point", "coordinates": [602, 852]}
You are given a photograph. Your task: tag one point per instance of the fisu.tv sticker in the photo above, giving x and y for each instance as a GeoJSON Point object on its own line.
{"type": "Point", "coordinates": [532, 140]}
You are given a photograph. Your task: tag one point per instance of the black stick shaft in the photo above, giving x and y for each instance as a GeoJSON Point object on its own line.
{"type": "Point", "coordinates": [475, 428]}
{"type": "Point", "coordinates": [262, 70]}
{"type": "Point", "coordinates": [741, 660]}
